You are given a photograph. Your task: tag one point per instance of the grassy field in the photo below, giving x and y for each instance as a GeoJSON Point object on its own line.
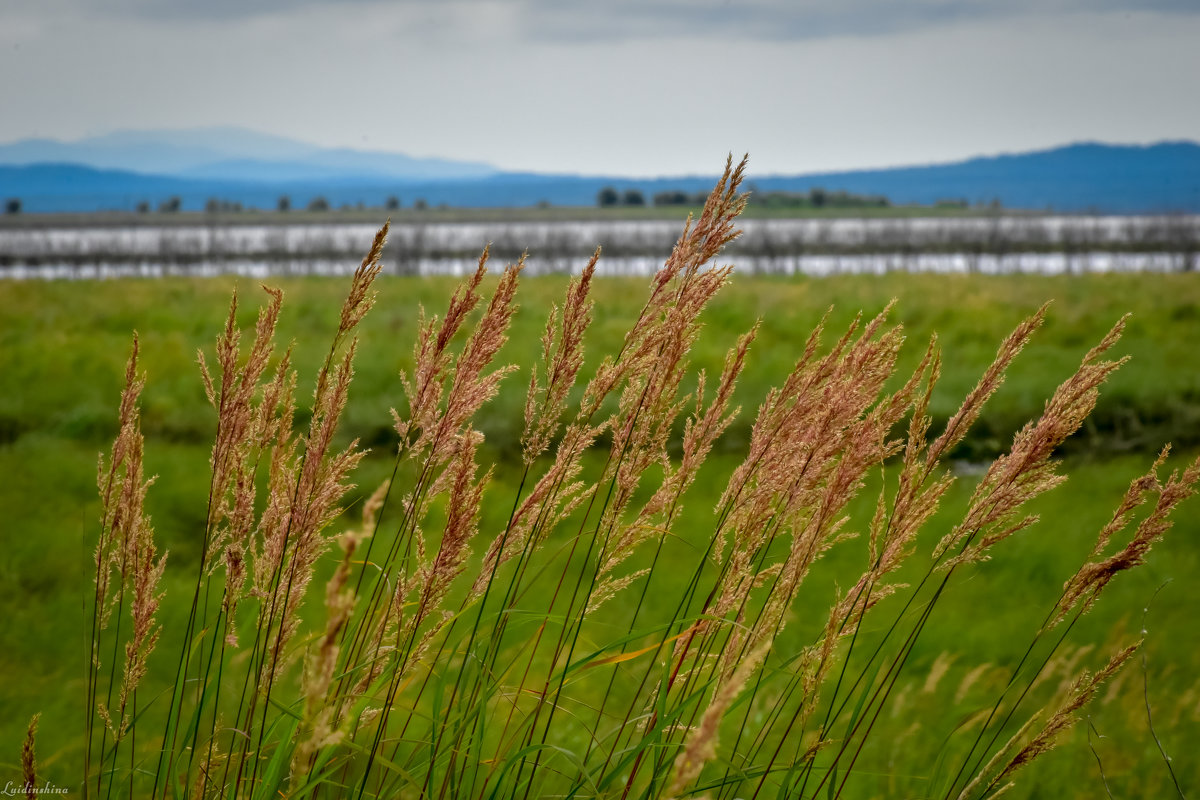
{"type": "Point", "coordinates": [64, 346]}
{"type": "Point", "coordinates": [62, 352]}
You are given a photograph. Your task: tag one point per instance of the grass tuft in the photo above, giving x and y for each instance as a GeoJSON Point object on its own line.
{"type": "Point", "coordinates": [599, 640]}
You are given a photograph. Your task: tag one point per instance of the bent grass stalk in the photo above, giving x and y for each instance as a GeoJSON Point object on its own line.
{"type": "Point", "coordinates": [549, 669]}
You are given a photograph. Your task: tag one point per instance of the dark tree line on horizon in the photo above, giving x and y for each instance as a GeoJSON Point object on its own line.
{"type": "Point", "coordinates": [817, 197]}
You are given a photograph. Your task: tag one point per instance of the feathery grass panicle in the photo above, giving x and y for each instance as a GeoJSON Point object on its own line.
{"type": "Point", "coordinates": [127, 551]}
{"type": "Point", "coordinates": [471, 387]}
{"type": "Point", "coordinates": [310, 501]}
{"type": "Point", "coordinates": [144, 603]}
{"type": "Point", "coordinates": [360, 298]}
{"type": "Point", "coordinates": [562, 356]}
{"type": "Point", "coordinates": [445, 393]}
{"type": "Point", "coordinates": [238, 421]}
{"type": "Point", "coordinates": [462, 523]}
{"type": "Point", "coordinates": [809, 449]}
{"type": "Point", "coordinates": [673, 283]}
{"type": "Point", "coordinates": [246, 426]}
{"type": "Point", "coordinates": [1062, 718]}
{"type": "Point", "coordinates": [321, 717]}
{"type": "Point", "coordinates": [305, 482]}
{"type": "Point", "coordinates": [644, 422]}
{"type": "Point", "coordinates": [892, 531]}
{"type": "Point", "coordinates": [702, 744]}
{"type": "Point", "coordinates": [652, 360]}
{"type": "Point", "coordinates": [1026, 471]}
{"type": "Point", "coordinates": [916, 499]}
{"type": "Point", "coordinates": [973, 404]}
{"type": "Point", "coordinates": [432, 359]}
{"type": "Point", "coordinates": [245, 555]}
{"type": "Point", "coordinates": [701, 431]}
{"type": "Point", "coordinates": [29, 760]}
{"type": "Point", "coordinates": [119, 488]}
{"type": "Point", "coordinates": [1086, 585]}
{"type": "Point", "coordinates": [133, 554]}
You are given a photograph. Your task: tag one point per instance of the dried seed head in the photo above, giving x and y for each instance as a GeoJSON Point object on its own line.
{"type": "Point", "coordinates": [1066, 715]}
{"type": "Point", "coordinates": [702, 745]}
{"type": "Point", "coordinates": [360, 298]}
{"type": "Point", "coordinates": [29, 761]}
{"type": "Point", "coordinates": [1026, 470]}
{"type": "Point", "coordinates": [971, 407]}
{"type": "Point", "coordinates": [1092, 578]}
{"type": "Point", "coordinates": [562, 354]}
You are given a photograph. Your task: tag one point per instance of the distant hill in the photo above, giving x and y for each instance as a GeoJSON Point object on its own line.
{"type": "Point", "coordinates": [1079, 177]}
{"type": "Point", "coordinates": [232, 154]}
{"type": "Point", "coordinates": [71, 187]}
{"type": "Point", "coordinates": [230, 165]}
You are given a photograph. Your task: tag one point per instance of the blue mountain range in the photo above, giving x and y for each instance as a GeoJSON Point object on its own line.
{"type": "Point", "coordinates": [119, 171]}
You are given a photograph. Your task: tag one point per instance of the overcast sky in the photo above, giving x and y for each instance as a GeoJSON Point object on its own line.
{"type": "Point", "coordinates": [633, 87]}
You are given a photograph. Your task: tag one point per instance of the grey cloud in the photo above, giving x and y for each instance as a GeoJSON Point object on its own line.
{"type": "Point", "coordinates": [613, 20]}
{"type": "Point", "coordinates": [183, 10]}
{"type": "Point", "coordinates": [795, 19]}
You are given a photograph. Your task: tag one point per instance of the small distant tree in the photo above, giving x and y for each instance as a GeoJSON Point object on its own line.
{"type": "Point", "coordinates": [12, 205]}
{"type": "Point", "coordinates": [284, 203]}
{"type": "Point", "coordinates": [607, 197]}
{"type": "Point", "coordinates": [633, 197]}
{"type": "Point", "coordinates": [392, 203]}
{"type": "Point", "coordinates": [143, 207]}
{"type": "Point", "coordinates": [420, 204]}
{"type": "Point", "coordinates": [671, 198]}
{"type": "Point", "coordinates": [318, 203]}
{"type": "Point", "coordinates": [215, 205]}
{"type": "Point", "coordinates": [818, 197]}
{"type": "Point", "coordinates": [170, 205]}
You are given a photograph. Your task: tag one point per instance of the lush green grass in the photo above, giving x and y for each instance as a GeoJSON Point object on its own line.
{"type": "Point", "coordinates": [63, 346]}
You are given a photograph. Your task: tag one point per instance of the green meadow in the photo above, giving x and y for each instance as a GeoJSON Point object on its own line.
{"type": "Point", "coordinates": [63, 348]}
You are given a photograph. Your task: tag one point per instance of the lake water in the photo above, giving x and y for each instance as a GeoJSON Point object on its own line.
{"type": "Point", "coordinates": [815, 265]}
{"type": "Point", "coordinates": [988, 245]}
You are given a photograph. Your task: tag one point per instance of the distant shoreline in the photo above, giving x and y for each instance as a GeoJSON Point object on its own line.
{"type": "Point", "coordinates": [377, 215]}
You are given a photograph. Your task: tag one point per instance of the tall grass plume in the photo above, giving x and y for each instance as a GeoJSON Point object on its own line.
{"type": "Point", "coordinates": [447, 657]}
